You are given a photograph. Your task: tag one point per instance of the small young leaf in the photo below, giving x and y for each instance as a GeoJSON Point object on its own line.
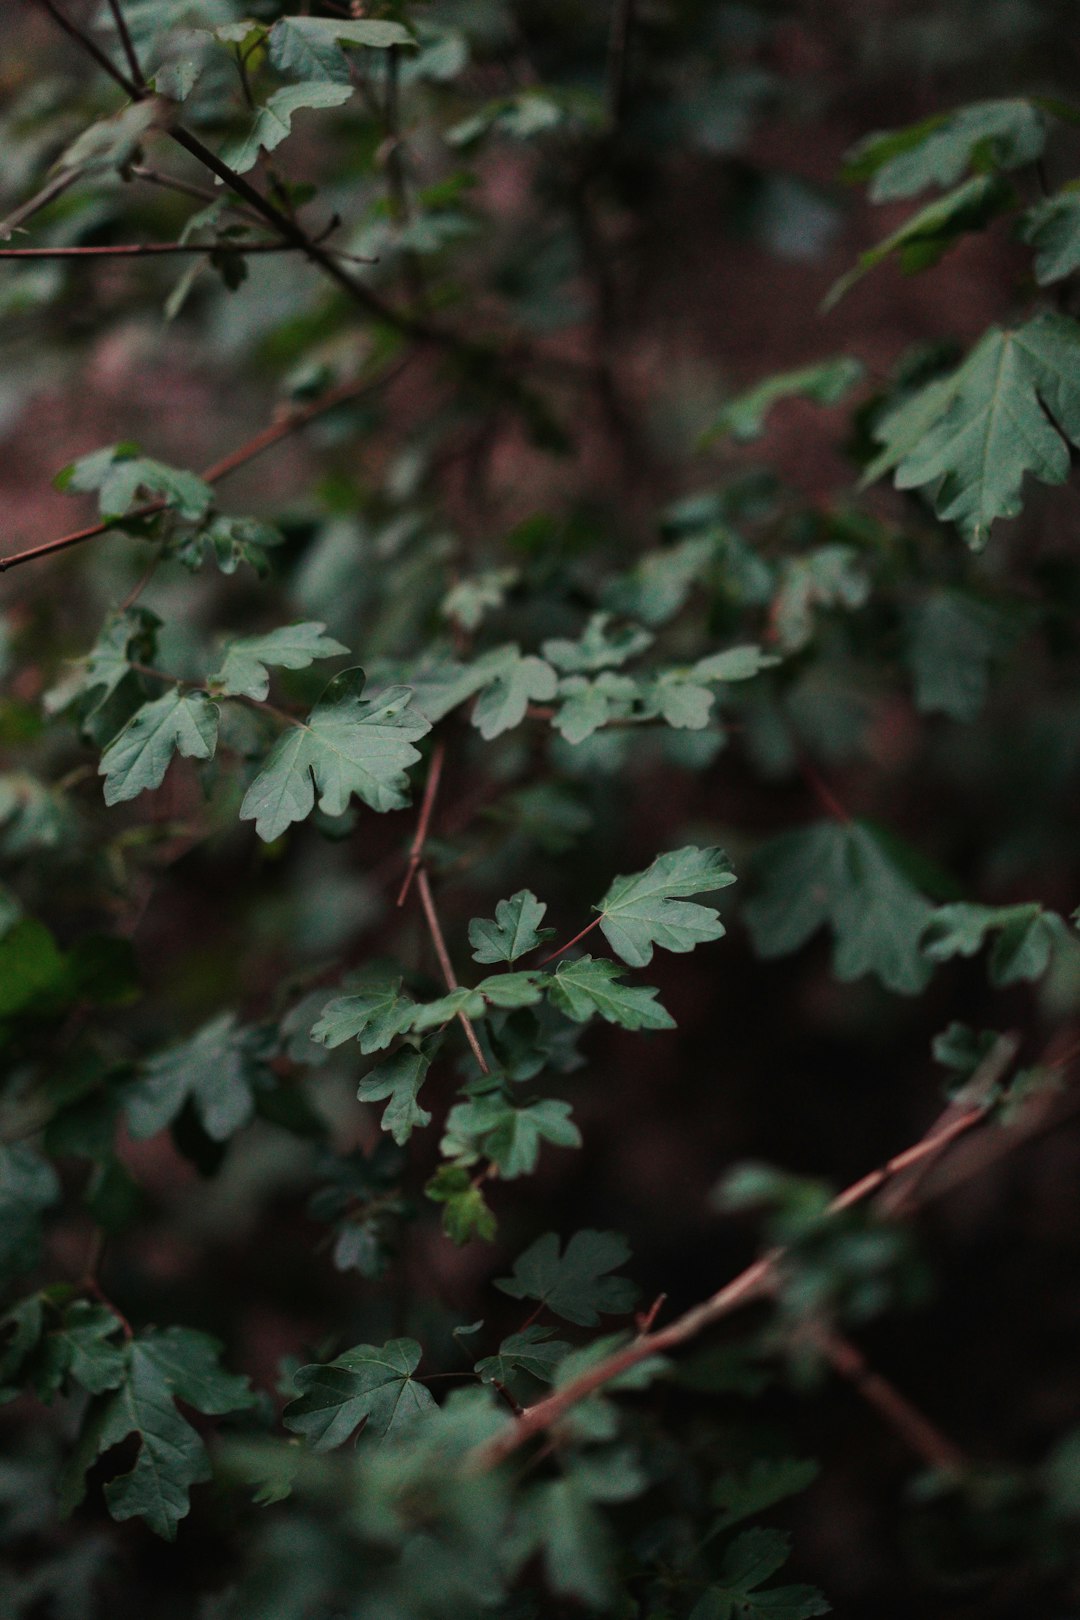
{"type": "Point", "coordinates": [598, 647]}
{"type": "Point", "coordinates": [516, 682]}
{"type": "Point", "coordinates": [531, 1351]}
{"type": "Point", "coordinates": [514, 931]}
{"type": "Point", "coordinates": [122, 475]}
{"type": "Point", "coordinates": [510, 1137]}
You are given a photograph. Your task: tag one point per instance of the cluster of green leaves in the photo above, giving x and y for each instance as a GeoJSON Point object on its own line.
{"type": "Point", "coordinates": [321, 1042]}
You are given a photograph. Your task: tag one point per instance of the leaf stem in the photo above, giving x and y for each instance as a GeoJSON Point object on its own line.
{"type": "Point", "coordinates": [126, 42]}
{"type": "Point", "coordinates": [563, 948]}
{"type": "Point", "coordinates": [416, 851]}
{"type": "Point", "coordinates": [427, 900]}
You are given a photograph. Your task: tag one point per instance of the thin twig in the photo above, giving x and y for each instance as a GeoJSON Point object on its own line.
{"type": "Point", "coordinates": [416, 850]}
{"type": "Point", "coordinates": [923, 1437]}
{"type": "Point", "coordinates": [427, 900]}
{"type": "Point", "coordinates": [287, 424]}
{"type": "Point", "coordinates": [142, 250]}
{"type": "Point", "coordinates": [563, 948]}
{"type": "Point", "coordinates": [126, 42]}
{"type": "Point", "coordinates": [188, 188]}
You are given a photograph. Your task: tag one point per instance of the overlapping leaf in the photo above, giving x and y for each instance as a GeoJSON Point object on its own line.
{"type": "Point", "coordinates": [347, 746]}
{"type": "Point", "coordinates": [136, 760]}
{"type": "Point", "coordinates": [1011, 410]}
{"type": "Point", "coordinates": [370, 1385]}
{"type": "Point", "coordinates": [245, 673]}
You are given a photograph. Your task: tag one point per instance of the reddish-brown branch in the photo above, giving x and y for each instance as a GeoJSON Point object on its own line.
{"type": "Point", "coordinates": [126, 43]}
{"type": "Point", "coordinates": [427, 900]}
{"type": "Point", "coordinates": [563, 948]}
{"type": "Point", "coordinates": [416, 851]}
{"type": "Point", "coordinates": [287, 424]}
{"type": "Point", "coordinates": [822, 792]}
{"type": "Point", "coordinates": [914, 1428]}
{"type": "Point", "coordinates": [755, 1283]}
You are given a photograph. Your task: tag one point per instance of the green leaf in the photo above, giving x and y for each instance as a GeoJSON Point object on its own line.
{"type": "Point", "coordinates": [840, 875]}
{"type": "Point", "coordinates": [644, 909]}
{"type": "Point", "coordinates": [219, 1070]}
{"type": "Point", "coordinates": [460, 1002]}
{"type": "Point", "coordinates": [531, 1351]}
{"type": "Point", "coordinates": [162, 1366]}
{"type": "Point", "coordinates": [955, 638]}
{"type": "Point", "coordinates": [1011, 409]}
{"type": "Point", "coordinates": [370, 1385]}
{"type": "Point", "coordinates": [230, 541]}
{"type": "Point", "coordinates": [759, 1487]}
{"type": "Point", "coordinates": [310, 47]}
{"type": "Point", "coordinates": [28, 1187]}
{"type": "Point", "coordinates": [577, 1284]}
{"type": "Point", "coordinates": [659, 584]}
{"type": "Point", "coordinates": [85, 1348]}
{"type": "Point", "coordinates": [465, 1210]}
{"type": "Point", "coordinates": [244, 672]}
{"type": "Point", "coordinates": [123, 476]}
{"type": "Point", "coordinates": [1026, 936]}
{"type": "Point", "coordinates": [749, 1562]}
{"type": "Point", "coordinates": [589, 986]}
{"type": "Point", "coordinates": [347, 746]}
{"type": "Point", "coordinates": [31, 966]}
{"type": "Point", "coordinates": [468, 603]}
{"type": "Point", "coordinates": [826, 382]}
{"type": "Point", "coordinates": [1052, 228]}
{"type": "Point", "coordinates": [273, 120]}
{"type": "Point", "coordinates": [983, 136]}
{"type": "Point", "coordinates": [586, 705]}
{"type": "Point", "coordinates": [828, 577]}
{"type": "Point", "coordinates": [373, 1015]}
{"type": "Point", "coordinates": [514, 932]}
{"type": "Point", "coordinates": [928, 234]}
{"type": "Point", "coordinates": [510, 1137]}
{"type": "Point", "coordinates": [399, 1079]}
{"type": "Point", "coordinates": [598, 647]}
{"type": "Point", "coordinates": [138, 756]}
{"type": "Point", "coordinates": [515, 682]}
{"type": "Point", "coordinates": [126, 637]}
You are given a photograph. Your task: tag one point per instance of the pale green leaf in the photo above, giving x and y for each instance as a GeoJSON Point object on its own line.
{"type": "Point", "coordinates": [219, 1070]}
{"type": "Point", "coordinates": [347, 746]}
{"type": "Point", "coordinates": [515, 682]}
{"type": "Point", "coordinates": [138, 757]}
{"type": "Point", "coordinates": [983, 136]}
{"type": "Point", "coordinates": [514, 931]}
{"type": "Point", "coordinates": [826, 382]}
{"type": "Point", "coordinates": [647, 908]}
{"type": "Point", "coordinates": [591, 987]}
{"type": "Point", "coordinates": [273, 120]}
{"type": "Point", "coordinates": [244, 672]}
